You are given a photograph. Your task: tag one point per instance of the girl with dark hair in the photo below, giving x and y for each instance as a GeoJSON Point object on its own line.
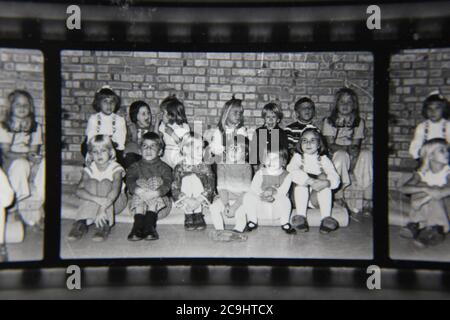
{"type": "Point", "coordinates": [315, 178]}
{"type": "Point", "coordinates": [106, 121]}
{"type": "Point", "coordinates": [173, 127]}
{"type": "Point", "coordinates": [141, 123]}
{"type": "Point", "coordinates": [435, 110]}
{"type": "Point", "coordinates": [344, 131]}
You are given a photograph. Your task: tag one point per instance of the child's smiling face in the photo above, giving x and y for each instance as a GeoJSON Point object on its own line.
{"type": "Point", "coordinates": [150, 149]}
{"type": "Point", "coordinates": [107, 105]}
{"type": "Point", "coordinates": [21, 107]}
{"type": "Point", "coordinates": [101, 155]}
{"type": "Point", "coordinates": [305, 112]}
{"type": "Point", "coordinates": [234, 116]}
{"type": "Point", "coordinates": [310, 143]}
{"type": "Point", "coordinates": [440, 155]}
{"type": "Point", "coordinates": [271, 120]}
{"type": "Point", "coordinates": [144, 117]}
{"type": "Point", "coordinates": [345, 105]}
{"type": "Point", "coordinates": [435, 111]}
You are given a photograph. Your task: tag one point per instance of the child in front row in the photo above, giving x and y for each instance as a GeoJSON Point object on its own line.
{"type": "Point", "coordinates": [315, 178]}
{"type": "Point", "coordinates": [267, 198]}
{"type": "Point", "coordinates": [194, 182]}
{"type": "Point", "coordinates": [148, 181]}
{"type": "Point", "coordinates": [429, 188]}
{"type": "Point", "coordinates": [101, 191]}
{"type": "Point", "coordinates": [435, 110]}
{"type": "Point", "coordinates": [234, 177]}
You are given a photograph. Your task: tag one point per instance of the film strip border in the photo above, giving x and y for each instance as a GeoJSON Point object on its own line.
{"type": "Point", "coordinates": [219, 282]}
{"type": "Point", "coordinates": [303, 24]}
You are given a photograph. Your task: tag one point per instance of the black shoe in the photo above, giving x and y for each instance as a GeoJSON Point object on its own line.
{"type": "Point", "coordinates": [102, 233]}
{"type": "Point", "coordinates": [3, 253]}
{"type": "Point", "coordinates": [300, 223]}
{"type": "Point", "coordinates": [250, 226]}
{"type": "Point", "coordinates": [288, 228]}
{"type": "Point", "coordinates": [150, 232]}
{"type": "Point", "coordinates": [199, 221]}
{"type": "Point", "coordinates": [136, 233]}
{"type": "Point", "coordinates": [437, 235]}
{"type": "Point", "coordinates": [410, 231]}
{"type": "Point", "coordinates": [189, 224]}
{"type": "Point", "coordinates": [328, 225]}
{"type": "Point", "coordinates": [79, 229]}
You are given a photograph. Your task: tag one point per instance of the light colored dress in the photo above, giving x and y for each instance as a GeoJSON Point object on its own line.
{"type": "Point", "coordinates": [428, 130]}
{"type": "Point", "coordinates": [172, 155]}
{"type": "Point", "coordinates": [111, 125]}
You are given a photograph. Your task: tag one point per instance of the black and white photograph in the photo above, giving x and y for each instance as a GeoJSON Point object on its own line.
{"type": "Point", "coordinates": [419, 130]}
{"type": "Point", "coordinates": [22, 149]}
{"type": "Point", "coordinates": [216, 154]}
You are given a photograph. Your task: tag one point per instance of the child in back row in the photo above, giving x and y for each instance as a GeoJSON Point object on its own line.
{"type": "Point", "coordinates": [429, 188]}
{"type": "Point", "coordinates": [315, 178]}
{"type": "Point", "coordinates": [194, 182]}
{"type": "Point", "coordinates": [149, 181]}
{"type": "Point", "coordinates": [107, 122]}
{"type": "Point", "coordinates": [173, 127]}
{"type": "Point", "coordinates": [234, 177]}
{"type": "Point", "coordinates": [435, 110]}
{"type": "Point", "coordinates": [101, 191]}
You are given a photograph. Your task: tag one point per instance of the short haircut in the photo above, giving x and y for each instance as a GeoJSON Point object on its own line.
{"type": "Point", "coordinates": [322, 145]}
{"type": "Point", "coordinates": [102, 140]}
{"type": "Point", "coordinates": [439, 99]}
{"type": "Point", "coordinates": [105, 93]}
{"type": "Point", "coordinates": [302, 101]}
{"type": "Point", "coordinates": [153, 136]}
{"type": "Point", "coordinates": [273, 107]}
{"type": "Point", "coordinates": [134, 109]}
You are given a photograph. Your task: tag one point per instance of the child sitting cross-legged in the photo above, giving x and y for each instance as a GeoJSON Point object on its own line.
{"type": "Point", "coordinates": [148, 180]}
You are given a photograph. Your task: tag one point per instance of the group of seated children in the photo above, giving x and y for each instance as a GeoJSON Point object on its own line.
{"type": "Point", "coordinates": [157, 168]}
{"type": "Point", "coordinates": [429, 186]}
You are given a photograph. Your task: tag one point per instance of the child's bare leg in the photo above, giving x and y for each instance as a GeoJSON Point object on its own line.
{"type": "Point", "coordinates": [216, 209]}
{"type": "Point", "coordinates": [301, 194]}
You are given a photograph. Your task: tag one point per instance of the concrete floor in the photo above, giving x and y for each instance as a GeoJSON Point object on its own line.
{"type": "Point", "coordinates": [405, 249]}
{"type": "Point", "coordinates": [353, 242]}
{"type": "Point", "coordinates": [31, 249]}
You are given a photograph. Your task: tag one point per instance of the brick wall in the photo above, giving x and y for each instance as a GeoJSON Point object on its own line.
{"type": "Point", "coordinates": [414, 74]}
{"type": "Point", "coordinates": [22, 69]}
{"type": "Point", "coordinates": [204, 81]}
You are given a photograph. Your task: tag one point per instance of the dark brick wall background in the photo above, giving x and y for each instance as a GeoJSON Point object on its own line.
{"type": "Point", "coordinates": [204, 81]}
{"type": "Point", "coordinates": [414, 74]}
{"type": "Point", "coordinates": [22, 69]}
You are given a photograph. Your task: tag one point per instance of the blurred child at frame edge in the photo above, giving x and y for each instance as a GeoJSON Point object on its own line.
{"type": "Point", "coordinates": [435, 110]}
{"type": "Point", "coordinates": [107, 122]}
{"type": "Point", "coordinates": [193, 187]}
{"type": "Point", "coordinates": [6, 198]}
{"type": "Point", "coordinates": [315, 177]}
{"type": "Point", "coordinates": [172, 126]}
{"type": "Point", "coordinates": [429, 188]}
{"type": "Point", "coordinates": [149, 181]}
{"type": "Point", "coordinates": [100, 190]}
{"type": "Point", "coordinates": [234, 177]}
{"type": "Point", "coordinates": [141, 123]}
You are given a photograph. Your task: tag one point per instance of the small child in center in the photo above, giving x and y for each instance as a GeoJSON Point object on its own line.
{"type": "Point", "coordinates": [194, 182]}
{"type": "Point", "coordinates": [234, 177]}
{"type": "Point", "coordinates": [268, 196]}
{"type": "Point", "coordinates": [315, 178]}
{"type": "Point", "coordinates": [149, 181]}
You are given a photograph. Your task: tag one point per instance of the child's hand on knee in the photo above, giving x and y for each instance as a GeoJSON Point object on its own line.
{"type": "Point", "coordinates": [101, 219]}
